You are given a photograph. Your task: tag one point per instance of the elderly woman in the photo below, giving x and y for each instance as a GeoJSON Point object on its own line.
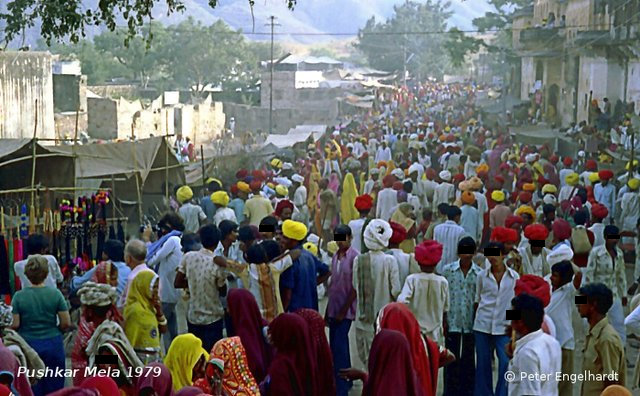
{"type": "Point", "coordinates": [36, 312]}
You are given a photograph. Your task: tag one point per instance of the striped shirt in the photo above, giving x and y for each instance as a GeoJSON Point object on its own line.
{"type": "Point", "coordinates": [448, 234]}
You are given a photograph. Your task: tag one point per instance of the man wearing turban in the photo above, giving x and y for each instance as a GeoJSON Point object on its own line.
{"type": "Point", "coordinates": [221, 200]}
{"type": "Point", "coordinates": [605, 193]}
{"type": "Point", "coordinates": [498, 215]}
{"type": "Point", "coordinates": [387, 199]}
{"type": "Point", "coordinates": [376, 280]}
{"type": "Point", "coordinates": [569, 189]}
{"type": "Point", "coordinates": [298, 283]}
{"type": "Point", "coordinates": [599, 212]}
{"type": "Point", "coordinates": [534, 253]}
{"type": "Point", "coordinates": [630, 209]}
{"type": "Point", "coordinates": [470, 218]}
{"type": "Point", "coordinates": [406, 262]}
{"type": "Point", "coordinates": [257, 207]}
{"type": "Point", "coordinates": [363, 205]}
{"type": "Point", "coordinates": [426, 293]}
{"type": "Point", "coordinates": [192, 214]}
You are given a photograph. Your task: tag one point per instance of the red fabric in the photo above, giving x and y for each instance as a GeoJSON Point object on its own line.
{"type": "Point", "coordinates": [8, 362]}
{"type": "Point", "coordinates": [458, 177]}
{"type": "Point", "coordinates": [293, 367]}
{"type": "Point", "coordinates": [525, 197]}
{"type": "Point", "coordinates": [241, 174]}
{"type": "Point", "coordinates": [248, 323]}
{"type": "Point", "coordinates": [554, 159]}
{"type": "Point", "coordinates": [100, 276]}
{"type": "Point", "coordinates": [511, 220]}
{"type": "Point", "coordinates": [591, 165]}
{"type": "Point", "coordinates": [325, 378]}
{"type": "Point", "coordinates": [388, 181]}
{"type": "Point", "coordinates": [535, 286]}
{"type": "Point", "coordinates": [599, 211]}
{"type": "Point", "coordinates": [79, 358]}
{"type": "Point", "coordinates": [391, 370]}
{"type": "Point", "coordinates": [161, 384]}
{"type": "Point", "coordinates": [282, 205]}
{"type": "Point", "coordinates": [397, 316]}
{"type": "Point", "coordinates": [364, 202]}
{"type": "Point", "coordinates": [561, 229]}
{"type": "Point", "coordinates": [399, 233]}
{"type": "Point", "coordinates": [259, 174]}
{"type": "Point", "coordinates": [536, 232]}
{"type": "Point", "coordinates": [499, 179]}
{"type": "Point", "coordinates": [605, 174]}
{"type": "Point", "coordinates": [104, 385]}
{"type": "Point", "coordinates": [234, 189]}
{"type": "Point", "coordinates": [581, 260]}
{"type": "Point", "coordinates": [397, 185]}
{"type": "Point", "coordinates": [430, 173]}
{"type": "Point", "coordinates": [504, 235]}
{"type": "Point", "coordinates": [255, 185]}
{"type": "Point", "coordinates": [567, 161]}
{"type": "Point", "coordinates": [429, 253]}
{"type": "Point", "coordinates": [4, 391]}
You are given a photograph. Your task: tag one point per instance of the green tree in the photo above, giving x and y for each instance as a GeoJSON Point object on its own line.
{"type": "Point", "coordinates": [408, 39]}
{"type": "Point", "coordinates": [60, 19]}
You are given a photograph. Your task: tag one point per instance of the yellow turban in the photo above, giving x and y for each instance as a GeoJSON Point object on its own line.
{"type": "Point", "coordinates": [244, 187]}
{"type": "Point", "coordinates": [526, 209]}
{"type": "Point", "coordinates": [184, 194]}
{"type": "Point", "coordinates": [628, 166]}
{"type": "Point", "coordinates": [482, 168]}
{"type": "Point", "coordinates": [529, 187]}
{"type": "Point", "coordinates": [593, 177]}
{"type": "Point", "coordinates": [497, 195]}
{"type": "Point", "coordinates": [549, 189]}
{"type": "Point", "coordinates": [332, 247]}
{"type": "Point", "coordinates": [633, 183]}
{"type": "Point", "coordinates": [276, 163]}
{"type": "Point", "coordinates": [220, 198]}
{"type": "Point", "coordinates": [294, 230]}
{"type": "Point", "coordinates": [311, 248]}
{"type": "Point", "coordinates": [572, 179]}
{"type": "Point", "coordinates": [282, 190]}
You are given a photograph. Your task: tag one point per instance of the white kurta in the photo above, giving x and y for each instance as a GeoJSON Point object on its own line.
{"type": "Point", "coordinates": [427, 296]}
{"type": "Point", "coordinates": [444, 193]}
{"type": "Point", "coordinates": [387, 203]}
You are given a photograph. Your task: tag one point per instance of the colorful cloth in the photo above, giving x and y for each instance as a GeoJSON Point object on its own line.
{"type": "Point", "coordinates": [182, 356]}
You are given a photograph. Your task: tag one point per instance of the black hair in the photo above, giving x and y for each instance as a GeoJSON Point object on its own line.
{"type": "Point", "coordinates": [343, 229]}
{"type": "Point", "coordinates": [582, 193]}
{"type": "Point", "coordinates": [599, 294]}
{"type": "Point", "coordinates": [269, 221]}
{"type": "Point", "coordinates": [548, 208]}
{"type": "Point", "coordinates": [580, 217]}
{"type": "Point", "coordinates": [36, 243]}
{"type": "Point", "coordinates": [226, 227]}
{"type": "Point", "coordinates": [272, 248]}
{"type": "Point", "coordinates": [247, 233]}
{"type": "Point", "coordinates": [171, 221]}
{"type": "Point", "coordinates": [565, 270]}
{"type": "Point", "coordinates": [256, 254]}
{"type": "Point", "coordinates": [443, 208]}
{"type": "Point", "coordinates": [407, 186]}
{"type": "Point", "coordinates": [611, 230]}
{"type": "Point", "coordinates": [531, 311]}
{"type": "Point", "coordinates": [497, 245]}
{"type": "Point", "coordinates": [453, 212]}
{"type": "Point", "coordinates": [114, 250]}
{"type": "Point", "coordinates": [214, 186]}
{"type": "Point", "coordinates": [467, 242]}
{"type": "Point", "coordinates": [190, 242]}
{"type": "Point", "coordinates": [100, 312]}
{"type": "Point", "coordinates": [209, 236]}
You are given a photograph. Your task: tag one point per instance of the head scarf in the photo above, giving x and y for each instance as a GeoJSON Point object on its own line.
{"type": "Point", "coordinates": [391, 370]}
{"type": "Point", "coordinates": [97, 294]}
{"type": "Point", "coordinates": [605, 174]}
{"type": "Point", "coordinates": [445, 175]}
{"type": "Point", "coordinates": [104, 385]}
{"type": "Point", "coordinates": [475, 183]}
{"type": "Point", "coordinates": [535, 286]}
{"type": "Point", "coordinates": [294, 230]}
{"type": "Point", "coordinates": [498, 196]}
{"type": "Point", "coordinates": [9, 364]}
{"type": "Point", "coordinates": [429, 253]}
{"type": "Point", "coordinates": [377, 234]}
{"type": "Point", "coordinates": [424, 352]}
{"type": "Point", "coordinates": [526, 209]}
{"type": "Point", "coordinates": [387, 181]}
{"type": "Point", "coordinates": [109, 335]}
{"type": "Point", "coordinates": [237, 379]}
{"type": "Point", "coordinates": [282, 205]}
{"type": "Point", "coordinates": [161, 384]}
{"type": "Point", "coordinates": [102, 274]}
{"type": "Point", "coordinates": [549, 189]}
{"type": "Point", "coordinates": [244, 187]}
{"type": "Point", "coordinates": [311, 248]}
{"type": "Point", "coordinates": [572, 179]}
{"type": "Point", "coordinates": [184, 194]}
{"type": "Point", "coordinates": [190, 391]}
{"type": "Point", "coordinates": [468, 198]}
{"type": "Point", "coordinates": [511, 220]}
{"type": "Point", "coordinates": [615, 390]}
{"type": "Point", "coordinates": [297, 178]}
{"type": "Point", "coordinates": [248, 323]}
{"type": "Point", "coordinates": [182, 356]}
{"type": "Point", "coordinates": [504, 235]}
{"type": "Point", "coordinates": [402, 216]}
{"type": "Point", "coordinates": [294, 364]}
{"type": "Point", "coordinates": [348, 210]}
{"type": "Point", "coordinates": [325, 380]}
{"type": "Point", "coordinates": [141, 325]}
{"type": "Point", "coordinates": [334, 182]}
{"type": "Point", "coordinates": [282, 190]}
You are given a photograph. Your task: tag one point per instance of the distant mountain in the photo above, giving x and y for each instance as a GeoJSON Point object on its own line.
{"type": "Point", "coordinates": [309, 16]}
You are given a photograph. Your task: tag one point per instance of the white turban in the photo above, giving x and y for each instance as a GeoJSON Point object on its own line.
{"type": "Point", "coordinates": [287, 166]}
{"type": "Point", "coordinates": [415, 167]}
{"type": "Point", "coordinates": [297, 178]}
{"type": "Point", "coordinates": [549, 199]}
{"type": "Point", "coordinates": [374, 171]}
{"type": "Point", "coordinates": [445, 175]}
{"type": "Point", "coordinates": [283, 180]}
{"type": "Point", "coordinates": [531, 157]}
{"type": "Point", "coordinates": [413, 136]}
{"type": "Point", "coordinates": [377, 235]}
{"type": "Point", "coordinates": [398, 173]}
{"type": "Point", "coordinates": [561, 253]}
{"type": "Point", "coordinates": [313, 238]}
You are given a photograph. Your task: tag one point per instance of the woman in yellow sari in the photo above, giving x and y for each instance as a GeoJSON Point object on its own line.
{"type": "Point", "coordinates": [404, 216]}
{"type": "Point", "coordinates": [143, 317]}
{"type": "Point", "coordinates": [186, 360]}
{"type": "Point", "coordinates": [348, 210]}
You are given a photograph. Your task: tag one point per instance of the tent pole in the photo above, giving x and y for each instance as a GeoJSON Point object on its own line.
{"type": "Point", "coordinates": [135, 170]}
{"type": "Point", "coordinates": [202, 163]}
{"type": "Point", "coordinates": [34, 142]}
{"type": "Point", "coordinates": [166, 159]}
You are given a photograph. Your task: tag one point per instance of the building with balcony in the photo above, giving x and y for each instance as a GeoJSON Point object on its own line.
{"type": "Point", "coordinates": [570, 52]}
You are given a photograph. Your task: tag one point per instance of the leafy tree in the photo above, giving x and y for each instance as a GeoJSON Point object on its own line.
{"type": "Point", "coordinates": [407, 38]}
{"type": "Point", "coordinates": [62, 19]}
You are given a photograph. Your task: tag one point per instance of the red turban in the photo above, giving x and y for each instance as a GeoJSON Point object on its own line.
{"type": "Point", "coordinates": [536, 232]}
{"type": "Point", "coordinates": [255, 185]}
{"type": "Point", "coordinates": [388, 181]}
{"type": "Point", "coordinates": [450, 138]}
{"type": "Point", "coordinates": [499, 179]}
{"type": "Point", "coordinates": [561, 229]}
{"type": "Point", "coordinates": [397, 185]}
{"type": "Point", "coordinates": [504, 235]}
{"type": "Point", "coordinates": [599, 211]}
{"type": "Point", "coordinates": [234, 189]}
{"type": "Point", "coordinates": [258, 174]}
{"type": "Point", "coordinates": [241, 174]}
{"type": "Point", "coordinates": [431, 173]}
{"type": "Point", "coordinates": [553, 159]}
{"type": "Point", "coordinates": [525, 197]}
{"type": "Point", "coordinates": [364, 202]}
{"type": "Point", "coordinates": [591, 165]}
{"type": "Point", "coordinates": [429, 253]}
{"type": "Point", "coordinates": [511, 220]}
{"type": "Point", "coordinates": [282, 205]}
{"type": "Point", "coordinates": [605, 174]}
{"type": "Point", "coordinates": [542, 181]}
{"type": "Point", "coordinates": [399, 233]}
{"type": "Point", "coordinates": [458, 177]}
{"type": "Point", "coordinates": [567, 161]}
{"type": "Point", "coordinates": [534, 286]}
{"type": "Point", "coordinates": [504, 166]}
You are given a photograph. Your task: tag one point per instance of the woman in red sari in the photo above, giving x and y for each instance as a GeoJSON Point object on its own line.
{"type": "Point", "coordinates": [324, 373]}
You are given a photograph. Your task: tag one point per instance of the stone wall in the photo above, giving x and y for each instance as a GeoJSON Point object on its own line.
{"type": "Point", "coordinates": [26, 89]}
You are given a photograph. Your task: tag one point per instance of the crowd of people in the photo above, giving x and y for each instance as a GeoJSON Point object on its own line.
{"type": "Point", "coordinates": [438, 238]}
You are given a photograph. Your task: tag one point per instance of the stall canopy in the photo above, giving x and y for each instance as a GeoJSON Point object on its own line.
{"type": "Point", "coordinates": [299, 134]}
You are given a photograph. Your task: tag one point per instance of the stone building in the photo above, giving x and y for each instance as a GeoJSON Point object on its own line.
{"type": "Point", "coordinates": [574, 51]}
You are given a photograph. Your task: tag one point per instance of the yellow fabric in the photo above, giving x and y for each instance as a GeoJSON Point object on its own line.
{"type": "Point", "coordinates": [312, 197]}
{"type": "Point", "coordinates": [244, 187]}
{"type": "Point", "coordinates": [498, 195]}
{"type": "Point", "coordinates": [184, 194]}
{"type": "Point", "coordinates": [526, 209]}
{"type": "Point", "coordinates": [549, 189]}
{"type": "Point", "coordinates": [311, 247]}
{"type": "Point", "coordinates": [140, 323]}
{"type": "Point", "coordinates": [348, 210]}
{"type": "Point", "coordinates": [362, 182]}
{"type": "Point", "coordinates": [634, 184]}
{"type": "Point", "coordinates": [276, 163]}
{"type": "Point", "coordinates": [628, 166]}
{"type": "Point", "coordinates": [530, 187]}
{"type": "Point", "coordinates": [282, 190]}
{"type": "Point", "coordinates": [390, 167]}
{"type": "Point", "coordinates": [294, 230]}
{"type": "Point", "coordinates": [332, 247]}
{"type": "Point", "coordinates": [572, 179]}
{"type": "Point", "coordinates": [593, 177]}
{"type": "Point", "coordinates": [220, 198]}
{"type": "Point", "coordinates": [538, 168]}
{"type": "Point", "coordinates": [482, 168]}
{"type": "Point", "coordinates": [182, 356]}
{"type": "Point", "coordinates": [401, 216]}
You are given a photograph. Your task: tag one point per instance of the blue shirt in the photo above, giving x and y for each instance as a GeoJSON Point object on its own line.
{"type": "Point", "coordinates": [606, 195]}
{"type": "Point", "coordinates": [208, 207]}
{"type": "Point", "coordinates": [237, 205]}
{"type": "Point", "coordinates": [301, 278]}
{"type": "Point", "coordinates": [123, 273]}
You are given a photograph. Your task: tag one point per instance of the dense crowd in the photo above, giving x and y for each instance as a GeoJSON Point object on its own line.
{"type": "Point", "coordinates": [437, 237]}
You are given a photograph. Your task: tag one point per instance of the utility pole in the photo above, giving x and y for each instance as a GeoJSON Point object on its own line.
{"type": "Point", "coordinates": [273, 24]}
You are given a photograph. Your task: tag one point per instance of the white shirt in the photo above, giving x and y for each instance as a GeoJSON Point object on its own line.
{"type": "Point", "coordinates": [300, 197]}
{"type": "Point", "coordinates": [632, 321]}
{"type": "Point", "coordinates": [383, 154]}
{"type": "Point", "coordinates": [224, 214]}
{"type": "Point", "coordinates": [387, 202]}
{"type": "Point", "coordinates": [448, 234]}
{"type": "Point", "coordinates": [53, 278]}
{"type": "Point", "coordinates": [444, 193]}
{"type": "Point", "coordinates": [560, 310]}
{"type": "Point", "coordinates": [407, 264]}
{"type": "Point", "coordinates": [536, 353]}
{"type": "Point", "coordinates": [168, 259]}
{"type": "Point", "coordinates": [356, 232]}
{"type": "Point", "coordinates": [493, 301]}
{"type": "Point", "coordinates": [598, 234]}
{"type": "Point", "coordinates": [427, 296]}
{"type": "Point", "coordinates": [192, 216]}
